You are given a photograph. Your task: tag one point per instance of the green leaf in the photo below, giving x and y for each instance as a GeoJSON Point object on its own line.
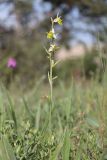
{"type": "Point", "coordinates": [28, 111]}
{"type": "Point", "coordinates": [66, 146]}
{"type": "Point", "coordinates": [92, 122]}
{"type": "Point", "coordinates": [6, 151]}
{"type": "Point", "coordinates": [12, 112]}
{"type": "Point", "coordinates": [55, 154]}
{"type": "Point", "coordinates": [38, 117]}
{"type": "Point", "coordinates": [1, 110]}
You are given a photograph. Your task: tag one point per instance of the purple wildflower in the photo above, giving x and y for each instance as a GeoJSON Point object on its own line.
{"type": "Point", "coordinates": [11, 63]}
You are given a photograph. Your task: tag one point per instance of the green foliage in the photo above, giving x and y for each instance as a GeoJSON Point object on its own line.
{"type": "Point", "coordinates": [66, 146]}
{"type": "Point", "coordinates": [31, 61]}
{"type": "Point", "coordinates": [6, 149]}
{"type": "Point", "coordinates": [92, 65]}
{"type": "Point", "coordinates": [70, 68]}
{"type": "Point", "coordinates": [78, 124]}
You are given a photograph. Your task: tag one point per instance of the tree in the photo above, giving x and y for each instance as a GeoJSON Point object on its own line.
{"type": "Point", "coordinates": [87, 7]}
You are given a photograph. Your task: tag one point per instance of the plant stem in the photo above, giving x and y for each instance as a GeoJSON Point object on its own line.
{"type": "Point", "coordinates": [51, 93]}
{"type": "Point", "coordinates": [51, 86]}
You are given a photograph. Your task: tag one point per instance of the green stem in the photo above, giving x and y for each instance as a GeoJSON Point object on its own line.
{"type": "Point", "coordinates": [51, 87]}
{"type": "Point", "coordinates": [51, 84]}
{"type": "Point", "coordinates": [51, 94]}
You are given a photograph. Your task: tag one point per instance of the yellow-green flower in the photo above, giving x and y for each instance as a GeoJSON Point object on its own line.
{"type": "Point", "coordinates": [51, 34]}
{"type": "Point", "coordinates": [58, 20]}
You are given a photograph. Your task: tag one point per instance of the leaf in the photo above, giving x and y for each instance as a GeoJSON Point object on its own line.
{"type": "Point", "coordinates": [6, 152]}
{"type": "Point", "coordinates": [28, 111]}
{"type": "Point", "coordinates": [92, 122]}
{"type": "Point", "coordinates": [49, 77]}
{"type": "Point", "coordinates": [56, 63]}
{"type": "Point", "coordinates": [55, 77]}
{"type": "Point", "coordinates": [66, 146]}
{"type": "Point", "coordinates": [38, 117]}
{"type": "Point", "coordinates": [1, 110]}
{"type": "Point", "coordinates": [105, 157]}
{"type": "Point", "coordinates": [56, 153]}
{"type": "Point", "coordinates": [12, 112]}
{"type": "Point", "coordinates": [46, 50]}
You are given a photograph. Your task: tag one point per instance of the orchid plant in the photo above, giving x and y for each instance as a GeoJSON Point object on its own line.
{"type": "Point", "coordinates": [53, 47]}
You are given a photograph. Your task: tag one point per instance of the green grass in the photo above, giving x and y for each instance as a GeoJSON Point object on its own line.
{"type": "Point", "coordinates": [79, 123]}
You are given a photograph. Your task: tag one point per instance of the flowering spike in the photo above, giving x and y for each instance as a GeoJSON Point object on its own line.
{"type": "Point", "coordinates": [52, 49]}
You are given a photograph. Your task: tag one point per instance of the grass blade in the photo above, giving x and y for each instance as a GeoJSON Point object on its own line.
{"type": "Point", "coordinates": [13, 115]}
{"type": "Point", "coordinates": [66, 146]}
{"type": "Point", "coordinates": [6, 152]}
{"type": "Point", "coordinates": [55, 154]}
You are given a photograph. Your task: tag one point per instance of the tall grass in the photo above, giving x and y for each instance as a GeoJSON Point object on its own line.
{"type": "Point", "coordinates": [78, 126]}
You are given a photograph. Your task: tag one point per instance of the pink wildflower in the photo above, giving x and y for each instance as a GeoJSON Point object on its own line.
{"type": "Point", "coordinates": [11, 63]}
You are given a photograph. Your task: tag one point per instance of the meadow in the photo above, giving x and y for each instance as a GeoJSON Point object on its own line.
{"type": "Point", "coordinates": [54, 122]}
{"type": "Point", "coordinates": [79, 119]}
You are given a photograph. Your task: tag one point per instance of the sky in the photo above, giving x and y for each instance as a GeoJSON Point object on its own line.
{"type": "Point", "coordinates": [40, 8]}
{"type": "Point", "coordinates": [81, 27]}
{"type": "Point", "coordinates": [4, 12]}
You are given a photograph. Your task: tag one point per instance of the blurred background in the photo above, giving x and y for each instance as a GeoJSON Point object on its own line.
{"type": "Point", "coordinates": [83, 40]}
